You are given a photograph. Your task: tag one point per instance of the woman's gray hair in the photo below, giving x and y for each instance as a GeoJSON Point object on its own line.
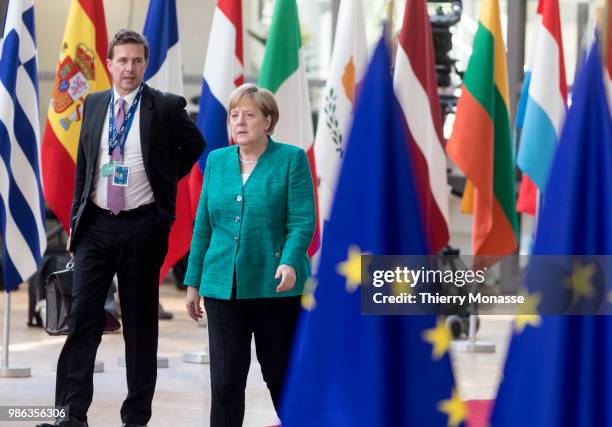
{"type": "Point", "coordinates": [263, 98]}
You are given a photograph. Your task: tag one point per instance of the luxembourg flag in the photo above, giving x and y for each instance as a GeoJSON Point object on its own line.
{"type": "Point", "coordinates": [416, 90]}
{"type": "Point", "coordinates": [223, 72]}
{"type": "Point", "coordinates": [283, 72]}
{"type": "Point", "coordinates": [165, 73]}
{"type": "Point", "coordinates": [544, 98]}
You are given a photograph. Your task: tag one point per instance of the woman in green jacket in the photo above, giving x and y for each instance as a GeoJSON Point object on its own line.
{"type": "Point", "coordinates": [248, 259]}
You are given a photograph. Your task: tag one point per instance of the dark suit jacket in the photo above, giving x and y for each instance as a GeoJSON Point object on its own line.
{"type": "Point", "coordinates": [171, 143]}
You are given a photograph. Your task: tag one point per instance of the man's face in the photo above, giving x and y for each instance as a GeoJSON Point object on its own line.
{"type": "Point", "coordinates": [127, 67]}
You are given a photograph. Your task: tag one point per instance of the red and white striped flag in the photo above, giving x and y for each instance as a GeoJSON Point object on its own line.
{"type": "Point", "coordinates": [416, 89]}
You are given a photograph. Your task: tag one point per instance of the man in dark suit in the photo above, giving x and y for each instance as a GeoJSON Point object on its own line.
{"type": "Point", "coordinates": [135, 144]}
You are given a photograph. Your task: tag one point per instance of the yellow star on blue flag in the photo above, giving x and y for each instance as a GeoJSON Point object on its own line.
{"type": "Point", "coordinates": [308, 299]}
{"type": "Point", "coordinates": [558, 374]}
{"type": "Point", "coordinates": [350, 268]}
{"type": "Point", "coordinates": [455, 409]}
{"type": "Point", "coordinates": [527, 313]}
{"type": "Point", "coordinates": [580, 281]}
{"type": "Point", "coordinates": [440, 338]}
{"type": "Point", "coordinates": [345, 361]}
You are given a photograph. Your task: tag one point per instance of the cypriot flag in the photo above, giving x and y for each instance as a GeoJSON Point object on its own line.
{"type": "Point", "coordinates": [348, 63]}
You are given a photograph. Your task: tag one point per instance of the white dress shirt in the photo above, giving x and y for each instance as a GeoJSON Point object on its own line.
{"type": "Point", "coordinates": [138, 191]}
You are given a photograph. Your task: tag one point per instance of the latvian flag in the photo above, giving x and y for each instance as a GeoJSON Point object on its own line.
{"type": "Point", "coordinates": [416, 89]}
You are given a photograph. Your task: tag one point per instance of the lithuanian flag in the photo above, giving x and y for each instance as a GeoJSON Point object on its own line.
{"type": "Point", "coordinates": [481, 144]}
{"type": "Point", "coordinates": [81, 70]}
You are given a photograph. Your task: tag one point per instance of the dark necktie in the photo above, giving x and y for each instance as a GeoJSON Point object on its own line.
{"type": "Point", "coordinates": [114, 196]}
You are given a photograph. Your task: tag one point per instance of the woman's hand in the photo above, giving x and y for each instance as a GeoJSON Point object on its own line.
{"type": "Point", "coordinates": [192, 302]}
{"type": "Point", "coordinates": [287, 275]}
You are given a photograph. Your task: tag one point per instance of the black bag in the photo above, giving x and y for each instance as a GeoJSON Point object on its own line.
{"type": "Point", "coordinates": [59, 296]}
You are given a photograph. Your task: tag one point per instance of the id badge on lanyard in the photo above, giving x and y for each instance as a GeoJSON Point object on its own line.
{"type": "Point", "coordinates": [118, 137]}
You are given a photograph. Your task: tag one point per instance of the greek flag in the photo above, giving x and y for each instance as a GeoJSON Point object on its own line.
{"type": "Point", "coordinates": [21, 202]}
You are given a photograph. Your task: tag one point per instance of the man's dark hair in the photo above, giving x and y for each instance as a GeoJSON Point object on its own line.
{"type": "Point", "coordinates": [126, 37]}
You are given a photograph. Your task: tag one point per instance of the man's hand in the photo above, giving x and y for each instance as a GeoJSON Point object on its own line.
{"type": "Point", "coordinates": [287, 275]}
{"type": "Point", "coordinates": [68, 244]}
{"type": "Point", "coordinates": [192, 302]}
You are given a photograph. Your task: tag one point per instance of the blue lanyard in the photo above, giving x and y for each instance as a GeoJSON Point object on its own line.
{"type": "Point", "coordinates": [118, 137]}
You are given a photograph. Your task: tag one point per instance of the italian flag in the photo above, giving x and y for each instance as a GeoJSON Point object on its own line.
{"type": "Point", "coordinates": [481, 144]}
{"type": "Point", "coordinates": [284, 73]}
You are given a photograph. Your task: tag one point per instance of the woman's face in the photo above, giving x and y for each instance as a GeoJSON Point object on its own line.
{"type": "Point", "coordinates": [248, 124]}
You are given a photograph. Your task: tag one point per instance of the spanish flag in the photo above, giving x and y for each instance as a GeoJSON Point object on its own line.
{"type": "Point", "coordinates": [81, 70]}
{"type": "Point", "coordinates": [481, 144]}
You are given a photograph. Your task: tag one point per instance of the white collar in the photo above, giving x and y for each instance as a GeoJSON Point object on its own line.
{"type": "Point", "coordinates": [129, 98]}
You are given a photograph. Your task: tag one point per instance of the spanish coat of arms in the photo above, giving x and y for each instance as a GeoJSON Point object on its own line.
{"type": "Point", "coordinates": [71, 83]}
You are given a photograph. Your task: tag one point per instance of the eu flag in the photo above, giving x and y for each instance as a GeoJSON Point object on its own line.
{"type": "Point", "coordinates": [350, 369]}
{"type": "Point", "coordinates": [558, 367]}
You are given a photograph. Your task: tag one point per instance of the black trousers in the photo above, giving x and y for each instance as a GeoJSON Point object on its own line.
{"type": "Point", "coordinates": [230, 325]}
{"type": "Point", "coordinates": [133, 245]}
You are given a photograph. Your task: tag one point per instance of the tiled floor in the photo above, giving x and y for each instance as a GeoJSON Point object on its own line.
{"type": "Point", "coordinates": [182, 396]}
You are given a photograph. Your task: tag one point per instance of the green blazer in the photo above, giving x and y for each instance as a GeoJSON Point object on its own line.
{"type": "Point", "coordinates": [252, 228]}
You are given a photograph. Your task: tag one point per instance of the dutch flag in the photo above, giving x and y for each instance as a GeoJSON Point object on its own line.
{"type": "Point", "coordinates": [223, 72]}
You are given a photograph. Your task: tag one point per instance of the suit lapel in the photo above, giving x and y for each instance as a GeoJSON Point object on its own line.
{"type": "Point", "coordinates": [99, 111]}
{"type": "Point", "coordinates": [146, 117]}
